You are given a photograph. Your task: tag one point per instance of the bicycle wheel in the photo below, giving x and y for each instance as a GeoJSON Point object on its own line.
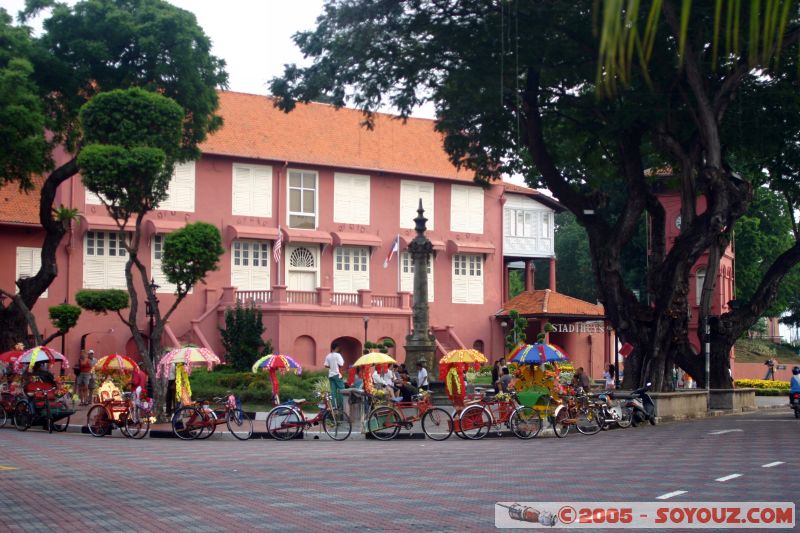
{"type": "Point", "coordinates": [60, 425]}
{"type": "Point", "coordinates": [337, 424]}
{"type": "Point", "coordinates": [209, 419]}
{"type": "Point", "coordinates": [437, 424]}
{"type": "Point", "coordinates": [284, 423]}
{"type": "Point", "coordinates": [627, 418]}
{"type": "Point", "coordinates": [525, 423]}
{"type": "Point", "coordinates": [588, 421]}
{"type": "Point", "coordinates": [3, 416]}
{"type": "Point", "coordinates": [560, 427]}
{"type": "Point", "coordinates": [475, 421]}
{"type": "Point", "coordinates": [239, 424]}
{"type": "Point", "coordinates": [137, 427]}
{"type": "Point", "coordinates": [383, 423]}
{"type": "Point", "coordinates": [187, 423]}
{"type": "Point", "coordinates": [23, 418]}
{"type": "Point", "coordinates": [97, 421]}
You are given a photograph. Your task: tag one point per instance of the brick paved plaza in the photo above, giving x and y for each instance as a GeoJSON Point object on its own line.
{"type": "Point", "coordinates": [74, 482]}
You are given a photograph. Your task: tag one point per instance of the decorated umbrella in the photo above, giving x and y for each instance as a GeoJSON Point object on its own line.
{"type": "Point", "coordinates": [39, 354]}
{"type": "Point", "coordinates": [368, 359]}
{"type": "Point", "coordinates": [453, 365]}
{"type": "Point", "coordinates": [186, 355]}
{"type": "Point", "coordinates": [115, 363]}
{"type": "Point", "coordinates": [536, 354]}
{"type": "Point", "coordinates": [11, 357]}
{"type": "Point", "coordinates": [274, 362]}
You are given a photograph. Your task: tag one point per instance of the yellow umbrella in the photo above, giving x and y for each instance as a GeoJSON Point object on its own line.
{"type": "Point", "coordinates": [463, 356]}
{"type": "Point", "coordinates": [374, 358]}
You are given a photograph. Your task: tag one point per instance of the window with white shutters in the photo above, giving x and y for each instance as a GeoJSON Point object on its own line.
{"type": "Point", "coordinates": [29, 261]}
{"type": "Point", "coordinates": [156, 273]}
{"type": "Point", "coordinates": [407, 274]}
{"type": "Point", "coordinates": [351, 269]}
{"type": "Point", "coordinates": [467, 279]}
{"type": "Point", "coordinates": [180, 195]}
{"type": "Point", "coordinates": [104, 260]}
{"type": "Point", "coordinates": [252, 190]}
{"type": "Point", "coordinates": [302, 199]}
{"type": "Point", "coordinates": [410, 194]}
{"type": "Point", "coordinates": [250, 264]}
{"type": "Point", "coordinates": [519, 222]}
{"type": "Point", "coordinates": [466, 209]}
{"type": "Point", "coordinates": [351, 198]}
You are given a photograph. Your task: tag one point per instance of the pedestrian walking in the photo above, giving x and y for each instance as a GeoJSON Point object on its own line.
{"type": "Point", "coordinates": [334, 362]}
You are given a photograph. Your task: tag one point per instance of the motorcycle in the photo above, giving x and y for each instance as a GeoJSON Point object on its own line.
{"type": "Point", "coordinates": [794, 401]}
{"type": "Point", "coordinates": [614, 411]}
{"type": "Point", "coordinates": [642, 404]}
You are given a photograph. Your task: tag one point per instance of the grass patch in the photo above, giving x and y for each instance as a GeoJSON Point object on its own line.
{"type": "Point", "coordinates": [758, 351]}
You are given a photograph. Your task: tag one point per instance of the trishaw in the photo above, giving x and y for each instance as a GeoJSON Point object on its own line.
{"type": "Point", "coordinates": [42, 400]}
{"type": "Point", "coordinates": [117, 410]}
{"type": "Point", "coordinates": [285, 421]}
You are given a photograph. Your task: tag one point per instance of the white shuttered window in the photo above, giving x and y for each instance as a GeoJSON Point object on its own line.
{"type": "Point", "coordinates": [466, 209]}
{"type": "Point", "coordinates": [180, 195]}
{"type": "Point", "coordinates": [156, 273]}
{"type": "Point", "coordinates": [351, 269]}
{"type": "Point", "coordinates": [410, 194]}
{"type": "Point", "coordinates": [104, 258]}
{"type": "Point", "coordinates": [407, 274]}
{"type": "Point", "coordinates": [250, 263]}
{"type": "Point", "coordinates": [351, 195]}
{"type": "Point", "coordinates": [467, 279]}
{"type": "Point", "coordinates": [29, 261]}
{"type": "Point", "coordinates": [252, 190]}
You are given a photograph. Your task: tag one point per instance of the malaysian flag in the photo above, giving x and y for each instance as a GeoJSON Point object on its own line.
{"type": "Point", "coordinates": [276, 252]}
{"type": "Point", "coordinates": [393, 250]}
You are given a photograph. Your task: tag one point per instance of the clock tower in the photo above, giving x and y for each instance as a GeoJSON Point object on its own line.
{"type": "Point", "coordinates": [723, 289]}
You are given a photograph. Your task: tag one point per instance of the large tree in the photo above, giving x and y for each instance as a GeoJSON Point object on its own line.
{"type": "Point", "coordinates": [86, 49]}
{"type": "Point", "coordinates": [582, 98]}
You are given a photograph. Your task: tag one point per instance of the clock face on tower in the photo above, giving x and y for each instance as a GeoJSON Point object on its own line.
{"type": "Point", "coordinates": [678, 222]}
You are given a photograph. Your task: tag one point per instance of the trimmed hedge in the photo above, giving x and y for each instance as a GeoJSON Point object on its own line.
{"type": "Point", "coordinates": [761, 384]}
{"type": "Point", "coordinates": [252, 388]}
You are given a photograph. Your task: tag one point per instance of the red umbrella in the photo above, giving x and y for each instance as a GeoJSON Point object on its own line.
{"type": "Point", "coordinates": [10, 357]}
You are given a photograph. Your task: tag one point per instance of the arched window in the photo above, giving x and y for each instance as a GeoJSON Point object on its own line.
{"type": "Point", "coordinates": [302, 258]}
{"type": "Point", "coordinates": [699, 279]}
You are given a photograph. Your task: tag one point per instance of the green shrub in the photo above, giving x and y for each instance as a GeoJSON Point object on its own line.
{"type": "Point", "coordinates": [242, 337]}
{"type": "Point", "coordinates": [102, 300]}
{"type": "Point", "coordinates": [252, 388]}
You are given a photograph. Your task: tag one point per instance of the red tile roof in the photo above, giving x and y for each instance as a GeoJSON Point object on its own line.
{"type": "Point", "coordinates": [20, 207]}
{"type": "Point", "coordinates": [319, 134]}
{"type": "Point", "coordinates": [548, 303]}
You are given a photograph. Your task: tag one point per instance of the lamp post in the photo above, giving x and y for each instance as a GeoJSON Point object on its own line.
{"type": "Point", "coordinates": [366, 327]}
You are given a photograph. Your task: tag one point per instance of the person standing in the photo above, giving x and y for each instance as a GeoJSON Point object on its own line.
{"type": "Point", "coordinates": [610, 376]}
{"type": "Point", "coordinates": [84, 375]}
{"type": "Point", "coordinates": [422, 377]}
{"type": "Point", "coordinates": [770, 368]}
{"type": "Point", "coordinates": [334, 362]}
{"type": "Point", "coordinates": [92, 382]}
{"type": "Point", "coordinates": [171, 392]}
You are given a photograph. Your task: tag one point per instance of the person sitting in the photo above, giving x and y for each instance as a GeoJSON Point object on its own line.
{"type": "Point", "coordinates": [581, 380]}
{"type": "Point", "coordinates": [794, 383]}
{"type": "Point", "coordinates": [406, 390]}
{"type": "Point", "coordinates": [504, 383]}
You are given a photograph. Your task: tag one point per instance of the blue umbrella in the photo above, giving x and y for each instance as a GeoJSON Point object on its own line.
{"type": "Point", "coordinates": [536, 354]}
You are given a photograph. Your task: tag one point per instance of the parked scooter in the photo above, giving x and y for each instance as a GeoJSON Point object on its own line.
{"type": "Point", "coordinates": [642, 404]}
{"type": "Point", "coordinates": [614, 411]}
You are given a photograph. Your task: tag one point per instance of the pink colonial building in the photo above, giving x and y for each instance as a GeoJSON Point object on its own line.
{"type": "Point", "coordinates": [337, 195]}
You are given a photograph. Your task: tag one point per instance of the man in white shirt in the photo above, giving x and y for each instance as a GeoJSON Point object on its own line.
{"type": "Point", "coordinates": [334, 362]}
{"type": "Point", "coordinates": [422, 376]}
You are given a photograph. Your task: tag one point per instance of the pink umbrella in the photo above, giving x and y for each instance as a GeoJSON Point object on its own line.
{"type": "Point", "coordinates": [186, 355]}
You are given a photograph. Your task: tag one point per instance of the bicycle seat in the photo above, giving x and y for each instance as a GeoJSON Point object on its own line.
{"type": "Point", "coordinates": [299, 400]}
{"type": "Point", "coordinates": [201, 400]}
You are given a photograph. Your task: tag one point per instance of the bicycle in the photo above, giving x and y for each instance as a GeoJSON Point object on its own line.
{"type": "Point", "coordinates": [200, 421]}
{"type": "Point", "coordinates": [41, 407]}
{"type": "Point", "coordinates": [285, 421]}
{"type": "Point", "coordinates": [477, 419]}
{"type": "Point", "coordinates": [385, 421]}
{"type": "Point", "coordinates": [132, 421]}
{"type": "Point", "coordinates": [576, 410]}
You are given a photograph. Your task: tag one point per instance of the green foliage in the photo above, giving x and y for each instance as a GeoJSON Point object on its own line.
{"type": "Point", "coordinates": [242, 337]}
{"type": "Point", "coordinates": [64, 316]}
{"type": "Point", "coordinates": [516, 283]}
{"type": "Point", "coordinates": [132, 138]}
{"type": "Point", "coordinates": [102, 300]}
{"type": "Point", "coordinates": [22, 121]}
{"type": "Point", "coordinates": [253, 388]}
{"type": "Point", "coordinates": [190, 253]}
{"type": "Point", "coordinates": [101, 45]}
{"type": "Point", "coordinates": [382, 346]}
{"type": "Point", "coordinates": [517, 331]}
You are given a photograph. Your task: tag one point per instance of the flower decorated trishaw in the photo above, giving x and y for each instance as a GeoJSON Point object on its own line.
{"type": "Point", "coordinates": [274, 363]}
{"type": "Point", "coordinates": [42, 395]}
{"type": "Point", "coordinates": [198, 419]}
{"type": "Point", "coordinates": [387, 416]}
{"type": "Point", "coordinates": [121, 401]}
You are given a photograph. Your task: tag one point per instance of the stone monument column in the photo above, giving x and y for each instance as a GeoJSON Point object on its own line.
{"type": "Point", "coordinates": [420, 343]}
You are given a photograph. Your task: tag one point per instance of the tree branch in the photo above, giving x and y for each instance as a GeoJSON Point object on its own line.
{"type": "Point", "coordinates": [17, 299]}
